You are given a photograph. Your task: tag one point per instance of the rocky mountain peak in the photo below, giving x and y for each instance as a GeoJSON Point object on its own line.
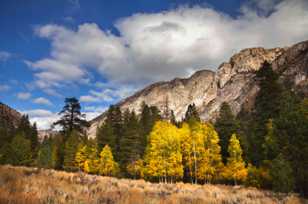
{"type": "Point", "coordinates": [234, 83]}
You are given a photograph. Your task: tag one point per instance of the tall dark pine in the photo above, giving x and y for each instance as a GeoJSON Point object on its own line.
{"type": "Point", "coordinates": [130, 143]}
{"type": "Point", "coordinates": [191, 114]}
{"type": "Point", "coordinates": [72, 118]}
{"type": "Point", "coordinates": [225, 126]}
{"type": "Point", "coordinates": [29, 131]}
{"type": "Point", "coordinates": [111, 131]}
{"type": "Point", "coordinates": [149, 115]}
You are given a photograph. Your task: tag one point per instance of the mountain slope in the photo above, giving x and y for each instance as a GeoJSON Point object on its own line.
{"type": "Point", "coordinates": [9, 114]}
{"type": "Point", "coordinates": [234, 82]}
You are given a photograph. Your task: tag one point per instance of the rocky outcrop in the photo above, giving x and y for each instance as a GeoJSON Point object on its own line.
{"type": "Point", "coordinates": [234, 82]}
{"type": "Point", "coordinates": [9, 114]}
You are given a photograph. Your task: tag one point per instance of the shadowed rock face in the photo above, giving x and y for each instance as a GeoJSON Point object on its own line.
{"type": "Point", "coordinates": [10, 114]}
{"type": "Point", "coordinates": [234, 82]}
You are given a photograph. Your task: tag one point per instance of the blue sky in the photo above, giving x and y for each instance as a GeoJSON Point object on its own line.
{"type": "Point", "coordinates": [102, 51]}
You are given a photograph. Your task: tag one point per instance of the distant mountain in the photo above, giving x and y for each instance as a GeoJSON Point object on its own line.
{"type": "Point", "coordinates": [9, 114]}
{"type": "Point", "coordinates": [234, 82]}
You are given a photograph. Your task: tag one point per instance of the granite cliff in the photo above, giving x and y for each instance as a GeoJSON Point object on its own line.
{"type": "Point", "coordinates": [233, 82]}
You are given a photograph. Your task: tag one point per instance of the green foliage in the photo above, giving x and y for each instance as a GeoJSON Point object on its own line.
{"type": "Point", "coordinates": [282, 175]}
{"type": "Point", "coordinates": [191, 114]}
{"type": "Point", "coordinates": [131, 140]}
{"type": "Point", "coordinates": [148, 117]}
{"type": "Point", "coordinates": [20, 151]}
{"type": "Point", "coordinates": [72, 118]}
{"type": "Point", "coordinates": [70, 150]}
{"type": "Point", "coordinates": [226, 125]}
{"type": "Point", "coordinates": [44, 157]}
{"type": "Point", "coordinates": [111, 131]}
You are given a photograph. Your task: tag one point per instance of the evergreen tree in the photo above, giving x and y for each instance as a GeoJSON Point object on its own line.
{"type": "Point", "coordinates": [131, 140]}
{"type": "Point", "coordinates": [282, 175]}
{"type": "Point", "coordinates": [20, 153]}
{"type": "Point", "coordinates": [148, 117]}
{"type": "Point", "coordinates": [111, 131]}
{"type": "Point", "coordinates": [106, 165]}
{"type": "Point", "coordinates": [270, 144]}
{"type": "Point", "coordinates": [44, 157]}
{"type": "Point", "coordinates": [70, 150]}
{"type": "Point", "coordinates": [225, 125]}
{"type": "Point", "coordinates": [235, 169]}
{"type": "Point", "coordinates": [191, 114]}
{"type": "Point", "coordinates": [72, 118]}
{"type": "Point", "coordinates": [30, 133]}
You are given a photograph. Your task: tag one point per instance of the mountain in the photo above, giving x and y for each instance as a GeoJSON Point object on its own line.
{"type": "Point", "coordinates": [233, 82]}
{"type": "Point", "coordinates": [9, 114]}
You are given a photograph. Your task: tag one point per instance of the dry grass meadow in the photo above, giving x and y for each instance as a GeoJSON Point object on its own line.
{"type": "Point", "coordinates": [22, 185]}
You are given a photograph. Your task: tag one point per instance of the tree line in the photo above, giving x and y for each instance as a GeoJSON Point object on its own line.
{"type": "Point", "coordinates": [265, 147]}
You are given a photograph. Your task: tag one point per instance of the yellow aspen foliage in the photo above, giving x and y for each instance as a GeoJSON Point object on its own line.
{"type": "Point", "coordinates": [211, 162]}
{"type": "Point", "coordinates": [106, 165]}
{"type": "Point", "coordinates": [136, 168]}
{"type": "Point", "coordinates": [163, 155]}
{"type": "Point", "coordinates": [87, 154]}
{"type": "Point", "coordinates": [81, 156]}
{"type": "Point", "coordinates": [235, 169]}
{"type": "Point", "coordinates": [201, 151]}
{"type": "Point", "coordinates": [86, 167]}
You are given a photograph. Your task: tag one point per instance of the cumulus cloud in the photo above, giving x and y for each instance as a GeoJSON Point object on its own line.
{"type": "Point", "coordinates": [23, 95]}
{"type": "Point", "coordinates": [4, 87]}
{"type": "Point", "coordinates": [42, 101]}
{"type": "Point", "coordinates": [43, 118]}
{"type": "Point", "coordinates": [106, 94]}
{"type": "Point", "coordinates": [161, 46]}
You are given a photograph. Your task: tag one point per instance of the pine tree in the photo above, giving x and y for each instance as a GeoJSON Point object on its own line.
{"type": "Point", "coordinates": [191, 114]}
{"type": "Point", "coordinates": [131, 140]}
{"type": "Point", "coordinates": [20, 153]}
{"type": "Point", "coordinates": [72, 118]}
{"type": "Point", "coordinates": [282, 175]}
{"type": "Point", "coordinates": [270, 144]}
{"type": "Point", "coordinates": [106, 165]}
{"type": "Point", "coordinates": [148, 117]}
{"type": "Point", "coordinates": [226, 125]}
{"type": "Point", "coordinates": [111, 131]}
{"type": "Point", "coordinates": [235, 169]}
{"type": "Point", "coordinates": [70, 150]}
{"type": "Point", "coordinates": [44, 157]}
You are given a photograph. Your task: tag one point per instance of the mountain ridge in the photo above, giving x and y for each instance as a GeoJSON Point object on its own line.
{"type": "Point", "coordinates": [233, 82]}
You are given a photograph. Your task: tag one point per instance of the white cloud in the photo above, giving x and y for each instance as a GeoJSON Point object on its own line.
{"type": "Point", "coordinates": [4, 87]}
{"type": "Point", "coordinates": [4, 56]}
{"type": "Point", "coordinates": [43, 118]}
{"type": "Point", "coordinates": [161, 46]}
{"type": "Point", "coordinates": [93, 111]}
{"type": "Point", "coordinates": [89, 99]}
{"type": "Point", "coordinates": [42, 101]}
{"type": "Point", "coordinates": [107, 94]}
{"type": "Point", "coordinates": [23, 95]}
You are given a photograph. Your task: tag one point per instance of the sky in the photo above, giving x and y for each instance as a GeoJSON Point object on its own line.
{"type": "Point", "coordinates": [102, 51]}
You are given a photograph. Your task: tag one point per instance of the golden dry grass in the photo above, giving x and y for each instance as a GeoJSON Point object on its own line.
{"type": "Point", "coordinates": [22, 185]}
